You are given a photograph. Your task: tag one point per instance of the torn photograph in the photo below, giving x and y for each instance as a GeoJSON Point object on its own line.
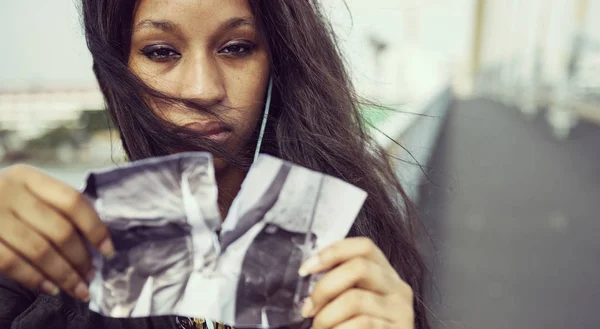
{"type": "Point", "coordinates": [175, 255]}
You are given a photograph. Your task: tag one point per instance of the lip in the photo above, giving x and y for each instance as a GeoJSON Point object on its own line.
{"type": "Point", "coordinates": [216, 131]}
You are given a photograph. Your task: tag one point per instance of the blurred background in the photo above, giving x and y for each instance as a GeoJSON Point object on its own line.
{"type": "Point", "coordinates": [496, 106]}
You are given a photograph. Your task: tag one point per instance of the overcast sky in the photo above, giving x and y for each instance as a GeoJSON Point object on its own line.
{"type": "Point", "coordinates": [42, 45]}
{"type": "Point", "coordinates": [42, 41]}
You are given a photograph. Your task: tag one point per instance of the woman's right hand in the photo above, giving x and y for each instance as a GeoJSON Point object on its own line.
{"type": "Point", "coordinates": [43, 225]}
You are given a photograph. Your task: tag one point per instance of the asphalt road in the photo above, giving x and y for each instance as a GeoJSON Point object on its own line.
{"type": "Point", "coordinates": [513, 216]}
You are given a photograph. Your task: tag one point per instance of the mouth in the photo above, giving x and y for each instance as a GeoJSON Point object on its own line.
{"type": "Point", "coordinates": [215, 131]}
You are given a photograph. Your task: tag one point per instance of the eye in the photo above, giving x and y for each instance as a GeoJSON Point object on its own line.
{"type": "Point", "coordinates": [237, 49]}
{"type": "Point", "coordinates": [160, 53]}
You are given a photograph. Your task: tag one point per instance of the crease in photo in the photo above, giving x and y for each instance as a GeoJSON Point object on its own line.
{"type": "Point", "coordinates": [170, 260]}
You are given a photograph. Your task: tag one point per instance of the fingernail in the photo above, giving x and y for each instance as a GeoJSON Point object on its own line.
{"type": "Point", "coordinates": [307, 308]}
{"type": "Point", "coordinates": [107, 249]}
{"type": "Point", "coordinates": [309, 266]}
{"type": "Point", "coordinates": [49, 288]}
{"type": "Point", "coordinates": [90, 276]}
{"type": "Point", "coordinates": [81, 291]}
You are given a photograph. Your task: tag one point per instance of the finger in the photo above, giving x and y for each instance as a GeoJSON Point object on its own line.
{"type": "Point", "coordinates": [350, 304]}
{"type": "Point", "coordinates": [343, 251]}
{"type": "Point", "coordinates": [26, 242]}
{"type": "Point", "coordinates": [54, 227]}
{"type": "Point", "coordinates": [70, 203]}
{"type": "Point", "coordinates": [356, 273]}
{"type": "Point", "coordinates": [365, 321]}
{"type": "Point", "coordinates": [16, 268]}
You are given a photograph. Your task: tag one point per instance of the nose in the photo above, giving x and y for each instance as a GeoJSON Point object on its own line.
{"type": "Point", "coordinates": [202, 82]}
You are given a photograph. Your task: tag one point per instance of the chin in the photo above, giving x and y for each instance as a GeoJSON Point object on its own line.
{"type": "Point", "coordinates": [219, 164]}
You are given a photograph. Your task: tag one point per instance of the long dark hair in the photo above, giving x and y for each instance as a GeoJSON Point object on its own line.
{"type": "Point", "coordinates": [315, 118]}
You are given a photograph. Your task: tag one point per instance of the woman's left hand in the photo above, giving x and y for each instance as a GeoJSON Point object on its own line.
{"type": "Point", "coordinates": [361, 289]}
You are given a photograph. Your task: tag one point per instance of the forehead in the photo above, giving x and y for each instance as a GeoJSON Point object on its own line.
{"type": "Point", "coordinates": [192, 14]}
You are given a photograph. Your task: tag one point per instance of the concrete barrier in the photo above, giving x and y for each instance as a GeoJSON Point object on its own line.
{"type": "Point", "coordinates": [416, 128]}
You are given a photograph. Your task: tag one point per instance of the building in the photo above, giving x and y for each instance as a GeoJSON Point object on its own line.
{"type": "Point", "coordinates": [30, 113]}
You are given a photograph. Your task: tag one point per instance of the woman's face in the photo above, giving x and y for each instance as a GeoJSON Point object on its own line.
{"type": "Point", "coordinates": [209, 51]}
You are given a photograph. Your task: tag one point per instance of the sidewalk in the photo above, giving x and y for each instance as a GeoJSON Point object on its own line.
{"type": "Point", "coordinates": [514, 216]}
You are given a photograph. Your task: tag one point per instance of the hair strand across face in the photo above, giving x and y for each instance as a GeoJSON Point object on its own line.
{"type": "Point", "coordinates": [315, 119]}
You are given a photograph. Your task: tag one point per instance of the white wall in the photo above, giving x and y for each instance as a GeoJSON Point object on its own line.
{"type": "Point", "coordinates": [514, 28]}
{"type": "Point", "coordinates": [427, 41]}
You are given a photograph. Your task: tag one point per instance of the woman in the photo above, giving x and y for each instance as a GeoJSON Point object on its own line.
{"type": "Point", "coordinates": [185, 75]}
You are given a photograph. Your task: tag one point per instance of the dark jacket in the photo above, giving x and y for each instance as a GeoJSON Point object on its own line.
{"type": "Point", "coordinates": [21, 308]}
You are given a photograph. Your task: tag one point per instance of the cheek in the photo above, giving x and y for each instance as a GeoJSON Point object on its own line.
{"type": "Point", "coordinates": [150, 75]}
{"type": "Point", "coordinates": [247, 93]}
{"type": "Point", "coordinates": [160, 109]}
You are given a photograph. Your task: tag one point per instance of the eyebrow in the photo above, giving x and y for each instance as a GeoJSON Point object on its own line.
{"type": "Point", "coordinates": [235, 22]}
{"type": "Point", "coordinates": [169, 26]}
{"type": "Point", "coordinates": [166, 26]}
